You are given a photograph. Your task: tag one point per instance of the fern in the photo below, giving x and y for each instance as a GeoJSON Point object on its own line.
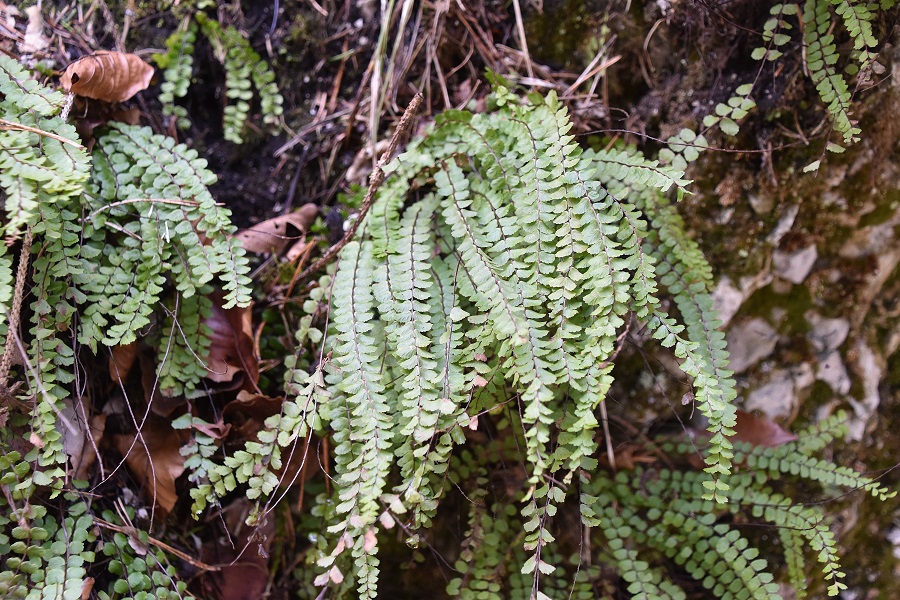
{"type": "Point", "coordinates": [540, 259]}
{"type": "Point", "coordinates": [177, 65]}
{"type": "Point", "coordinates": [821, 61]}
{"type": "Point", "coordinates": [660, 512]}
{"type": "Point", "coordinates": [119, 234]}
{"type": "Point", "coordinates": [243, 68]}
{"type": "Point", "coordinates": [45, 556]}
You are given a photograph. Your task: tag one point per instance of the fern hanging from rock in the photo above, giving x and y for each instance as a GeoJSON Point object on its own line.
{"type": "Point", "coordinates": [499, 264]}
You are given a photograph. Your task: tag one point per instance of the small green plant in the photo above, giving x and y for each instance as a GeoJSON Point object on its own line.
{"type": "Point", "coordinates": [509, 279]}
{"type": "Point", "coordinates": [117, 235]}
{"type": "Point", "coordinates": [244, 70]}
{"type": "Point", "coordinates": [827, 69]}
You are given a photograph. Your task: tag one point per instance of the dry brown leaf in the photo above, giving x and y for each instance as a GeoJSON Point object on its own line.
{"type": "Point", "coordinates": [245, 565]}
{"type": "Point", "coordinates": [155, 459]}
{"type": "Point", "coordinates": [231, 346]}
{"type": "Point", "coordinates": [628, 456]}
{"type": "Point", "coordinates": [122, 360]}
{"type": "Point", "coordinates": [274, 235]}
{"type": "Point", "coordinates": [760, 431]}
{"type": "Point", "coordinates": [88, 452]}
{"type": "Point", "coordinates": [248, 413]}
{"type": "Point", "coordinates": [87, 586]}
{"type": "Point", "coordinates": [160, 403]}
{"type": "Point", "coordinates": [107, 76]}
{"type": "Point", "coordinates": [91, 115]}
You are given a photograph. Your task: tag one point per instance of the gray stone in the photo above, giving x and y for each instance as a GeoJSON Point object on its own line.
{"type": "Point", "coordinates": [784, 224]}
{"type": "Point", "coordinates": [749, 342]}
{"type": "Point", "coordinates": [869, 367]}
{"type": "Point", "coordinates": [775, 399]}
{"type": "Point", "coordinates": [832, 371]}
{"type": "Point", "coordinates": [795, 266]}
{"type": "Point", "coordinates": [727, 300]}
{"type": "Point", "coordinates": [826, 334]}
{"type": "Point", "coordinates": [779, 397]}
{"type": "Point", "coordinates": [762, 204]}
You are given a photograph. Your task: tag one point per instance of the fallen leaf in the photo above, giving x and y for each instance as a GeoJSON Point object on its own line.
{"type": "Point", "coordinates": [34, 40]}
{"type": "Point", "coordinates": [231, 346]}
{"type": "Point", "coordinates": [89, 452]}
{"type": "Point", "coordinates": [245, 569]}
{"type": "Point", "coordinates": [159, 402]}
{"type": "Point", "coordinates": [155, 459]}
{"type": "Point", "coordinates": [273, 235]}
{"type": "Point", "coordinates": [628, 456]}
{"type": "Point", "coordinates": [87, 586]}
{"type": "Point", "coordinates": [248, 412]}
{"type": "Point", "coordinates": [122, 360]}
{"type": "Point", "coordinates": [760, 431]}
{"type": "Point", "coordinates": [80, 438]}
{"type": "Point", "coordinates": [91, 115]}
{"type": "Point", "coordinates": [107, 76]}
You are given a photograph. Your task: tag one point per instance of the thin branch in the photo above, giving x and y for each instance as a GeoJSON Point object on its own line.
{"type": "Point", "coordinates": [4, 124]}
{"type": "Point", "coordinates": [132, 533]}
{"type": "Point", "coordinates": [375, 181]}
{"type": "Point", "coordinates": [15, 310]}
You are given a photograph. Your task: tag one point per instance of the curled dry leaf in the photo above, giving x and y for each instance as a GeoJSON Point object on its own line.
{"type": "Point", "coordinates": [248, 412]}
{"type": "Point", "coordinates": [274, 234]}
{"type": "Point", "coordinates": [231, 347]}
{"type": "Point", "coordinates": [91, 115]}
{"type": "Point", "coordinates": [107, 76]}
{"type": "Point", "coordinates": [87, 586]}
{"type": "Point", "coordinates": [155, 459]}
{"type": "Point", "coordinates": [122, 360]}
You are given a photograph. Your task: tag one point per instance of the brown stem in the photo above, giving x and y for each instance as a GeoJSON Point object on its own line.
{"type": "Point", "coordinates": [375, 181]}
{"type": "Point", "coordinates": [15, 311]}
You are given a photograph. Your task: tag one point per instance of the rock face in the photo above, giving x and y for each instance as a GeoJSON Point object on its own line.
{"type": "Point", "coordinates": [826, 335]}
{"type": "Point", "coordinates": [794, 267]}
{"type": "Point", "coordinates": [749, 342]}
{"type": "Point", "coordinates": [779, 398]}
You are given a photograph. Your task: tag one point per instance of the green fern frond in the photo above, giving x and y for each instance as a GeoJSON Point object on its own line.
{"type": "Point", "coordinates": [510, 275]}
{"type": "Point", "coordinates": [821, 62]}
{"type": "Point", "coordinates": [244, 69]}
{"type": "Point", "coordinates": [177, 65]}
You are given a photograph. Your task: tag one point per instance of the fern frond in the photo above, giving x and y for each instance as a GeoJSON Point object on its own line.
{"type": "Point", "coordinates": [821, 62]}
{"type": "Point", "coordinates": [244, 69]}
{"type": "Point", "coordinates": [35, 169]}
{"type": "Point", "coordinates": [177, 65]}
{"type": "Point", "coordinates": [360, 414]}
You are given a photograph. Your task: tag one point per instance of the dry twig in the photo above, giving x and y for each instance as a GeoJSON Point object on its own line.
{"type": "Point", "coordinates": [375, 181]}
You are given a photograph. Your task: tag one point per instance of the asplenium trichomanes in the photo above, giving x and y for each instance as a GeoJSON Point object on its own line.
{"type": "Point", "coordinates": [497, 267]}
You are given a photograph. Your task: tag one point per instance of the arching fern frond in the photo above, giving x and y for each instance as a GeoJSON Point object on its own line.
{"type": "Point", "coordinates": [508, 274]}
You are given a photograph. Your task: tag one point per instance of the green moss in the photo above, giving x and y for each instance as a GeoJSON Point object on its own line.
{"type": "Point", "coordinates": [560, 36]}
{"type": "Point", "coordinates": [794, 304]}
{"type": "Point", "coordinates": [884, 210]}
